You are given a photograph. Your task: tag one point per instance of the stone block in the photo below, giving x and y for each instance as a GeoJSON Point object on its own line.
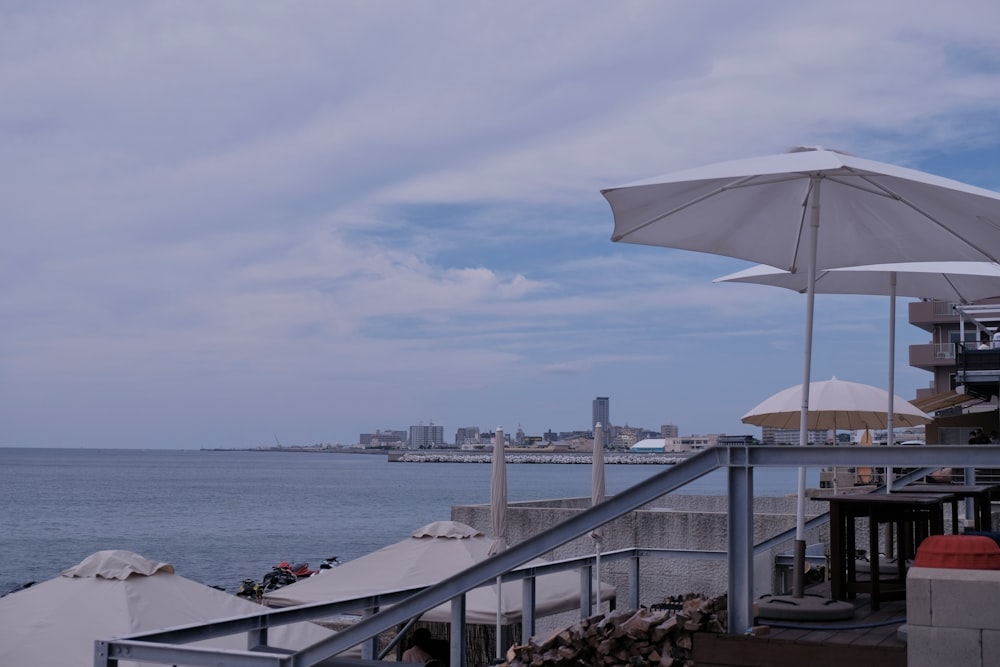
{"type": "Point", "coordinates": [964, 598]}
{"type": "Point", "coordinates": [934, 647]}
{"type": "Point", "coordinates": [918, 597]}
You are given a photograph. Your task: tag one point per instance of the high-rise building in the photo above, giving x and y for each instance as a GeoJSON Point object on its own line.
{"type": "Point", "coordinates": [669, 431]}
{"type": "Point", "coordinates": [422, 437]}
{"type": "Point", "coordinates": [467, 435]}
{"type": "Point", "coordinates": [601, 414]}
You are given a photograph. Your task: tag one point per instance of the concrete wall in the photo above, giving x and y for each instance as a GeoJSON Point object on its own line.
{"type": "Point", "coordinates": [952, 617]}
{"type": "Point", "coordinates": [671, 522]}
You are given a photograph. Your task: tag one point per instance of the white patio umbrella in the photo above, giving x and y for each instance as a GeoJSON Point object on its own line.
{"type": "Point", "coordinates": [115, 593]}
{"type": "Point", "coordinates": [498, 515]}
{"type": "Point", "coordinates": [768, 210]}
{"type": "Point", "coordinates": [597, 489]}
{"type": "Point", "coordinates": [834, 404]}
{"type": "Point", "coordinates": [963, 282]}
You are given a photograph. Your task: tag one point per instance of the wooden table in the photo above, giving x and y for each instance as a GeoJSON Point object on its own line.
{"type": "Point", "coordinates": [914, 517]}
{"type": "Point", "coordinates": [982, 498]}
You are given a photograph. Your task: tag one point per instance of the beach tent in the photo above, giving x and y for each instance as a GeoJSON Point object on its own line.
{"type": "Point", "coordinates": [431, 554]}
{"type": "Point", "coordinates": [117, 593]}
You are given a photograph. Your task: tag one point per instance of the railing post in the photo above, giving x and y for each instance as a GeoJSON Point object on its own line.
{"type": "Point", "coordinates": [369, 649]}
{"type": "Point", "coordinates": [633, 583]}
{"type": "Point", "coordinates": [527, 608]}
{"type": "Point", "coordinates": [586, 591]}
{"type": "Point", "coordinates": [740, 547]}
{"type": "Point", "coordinates": [457, 658]}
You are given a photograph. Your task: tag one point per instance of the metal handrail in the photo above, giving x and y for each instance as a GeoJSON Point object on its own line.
{"type": "Point", "coordinates": [739, 461]}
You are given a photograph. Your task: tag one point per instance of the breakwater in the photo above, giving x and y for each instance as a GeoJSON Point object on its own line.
{"type": "Point", "coordinates": [609, 459]}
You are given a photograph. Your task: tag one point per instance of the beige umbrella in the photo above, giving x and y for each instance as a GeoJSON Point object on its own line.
{"type": "Point", "coordinates": [115, 593]}
{"type": "Point", "coordinates": [432, 553]}
{"type": "Point", "coordinates": [835, 404]}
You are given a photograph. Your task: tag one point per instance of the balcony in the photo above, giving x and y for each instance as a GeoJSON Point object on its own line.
{"type": "Point", "coordinates": [930, 356]}
{"type": "Point", "coordinates": [929, 314]}
{"type": "Point", "coordinates": [977, 372]}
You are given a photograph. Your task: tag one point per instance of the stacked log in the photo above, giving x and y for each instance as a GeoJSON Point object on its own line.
{"type": "Point", "coordinates": [636, 638]}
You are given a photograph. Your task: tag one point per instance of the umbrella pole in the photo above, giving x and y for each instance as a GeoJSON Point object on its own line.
{"type": "Point", "coordinates": [597, 577]}
{"type": "Point", "coordinates": [799, 562]}
{"type": "Point", "coordinates": [499, 605]}
{"type": "Point", "coordinates": [889, 439]}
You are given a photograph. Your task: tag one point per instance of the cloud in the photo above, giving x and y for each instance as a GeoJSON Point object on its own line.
{"type": "Point", "coordinates": [225, 219]}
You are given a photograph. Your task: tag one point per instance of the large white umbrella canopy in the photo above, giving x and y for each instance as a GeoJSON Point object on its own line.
{"type": "Point", "coordinates": [116, 593]}
{"type": "Point", "coordinates": [834, 404]}
{"type": "Point", "coordinates": [433, 553]}
{"type": "Point", "coordinates": [771, 210]}
{"type": "Point", "coordinates": [757, 209]}
{"type": "Point", "coordinates": [962, 282]}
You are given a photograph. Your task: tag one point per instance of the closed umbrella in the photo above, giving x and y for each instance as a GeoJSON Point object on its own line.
{"type": "Point", "coordinates": [498, 514]}
{"type": "Point", "coordinates": [498, 494]}
{"type": "Point", "coordinates": [770, 209]}
{"type": "Point", "coordinates": [597, 491]}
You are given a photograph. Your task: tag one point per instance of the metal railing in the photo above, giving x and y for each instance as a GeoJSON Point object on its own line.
{"type": "Point", "coordinates": [170, 646]}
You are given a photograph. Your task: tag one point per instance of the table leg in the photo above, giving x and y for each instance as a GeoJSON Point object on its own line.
{"type": "Point", "coordinates": [873, 551]}
{"type": "Point", "coordinates": [840, 558]}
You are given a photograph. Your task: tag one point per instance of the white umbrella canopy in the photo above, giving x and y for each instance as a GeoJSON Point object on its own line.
{"type": "Point", "coordinates": [771, 209]}
{"type": "Point", "coordinates": [116, 593]}
{"type": "Point", "coordinates": [755, 209]}
{"type": "Point", "coordinates": [835, 404]}
{"type": "Point", "coordinates": [963, 282]}
{"type": "Point", "coordinates": [431, 554]}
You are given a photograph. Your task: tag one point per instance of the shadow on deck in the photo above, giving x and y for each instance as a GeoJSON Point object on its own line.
{"type": "Point", "coordinates": [870, 639]}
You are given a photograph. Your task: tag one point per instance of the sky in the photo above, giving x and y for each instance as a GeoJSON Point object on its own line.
{"type": "Point", "coordinates": [233, 224]}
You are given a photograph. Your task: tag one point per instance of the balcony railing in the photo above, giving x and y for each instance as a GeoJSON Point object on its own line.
{"type": "Point", "coordinates": [170, 646]}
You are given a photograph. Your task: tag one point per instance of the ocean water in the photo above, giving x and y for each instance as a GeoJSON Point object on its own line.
{"type": "Point", "coordinates": [221, 517]}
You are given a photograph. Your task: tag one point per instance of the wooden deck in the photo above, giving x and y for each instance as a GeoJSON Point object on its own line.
{"type": "Point", "coordinates": [867, 640]}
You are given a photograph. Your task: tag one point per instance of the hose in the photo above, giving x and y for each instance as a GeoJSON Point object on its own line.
{"type": "Point", "coordinates": [856, 626]}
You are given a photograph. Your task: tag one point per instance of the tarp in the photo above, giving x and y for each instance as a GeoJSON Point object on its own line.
{"type": "Point", "coordinates": [431, 554]}
{"type": "Point", "coordinates": [117, 593]}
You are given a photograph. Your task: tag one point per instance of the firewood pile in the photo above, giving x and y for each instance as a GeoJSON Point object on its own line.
{"type": "Point", "coordinates": [661, 636]}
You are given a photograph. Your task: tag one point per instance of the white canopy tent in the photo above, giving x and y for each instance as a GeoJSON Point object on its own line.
{"type": "Point", "coordinates": [117, 593]}
{"type": "Point", "coordinates": [432, 553]}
